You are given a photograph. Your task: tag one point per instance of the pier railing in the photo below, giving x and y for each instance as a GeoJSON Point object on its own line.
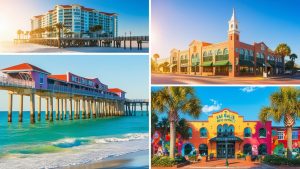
{"type": "Point", "coordinates": [68, 90]}
{"type": "Point", "coordinates": [13, 82]}
{"type": "Point", "coordinates": [137, 100]}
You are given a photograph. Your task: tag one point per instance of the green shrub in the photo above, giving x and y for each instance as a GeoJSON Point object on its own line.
{"type": "Point", "coordinates": [278, 160]}
{"type": "Point", "coordinates": [162, 161]}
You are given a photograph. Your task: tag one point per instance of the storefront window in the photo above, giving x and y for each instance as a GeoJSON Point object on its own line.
{"type": "Point", "coordinates": [262, 149]}
{"type": "Point", "coordinates": [203, 132]}
{"type": "Point", "coordinates": [247, 132]}
{"type": "Point", "coordinates": [262, 132]}
{"type": "Point", "coordinates": [247, 149]}
{"type": "Point", "coordinates": [203, 149]}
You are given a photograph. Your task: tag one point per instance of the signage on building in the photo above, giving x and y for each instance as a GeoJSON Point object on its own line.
{"type": "Point", "coordinates": [226, 116]}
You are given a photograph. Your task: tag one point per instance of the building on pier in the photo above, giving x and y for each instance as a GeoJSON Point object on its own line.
{"type": "Point", "coordinates": [242, 136]}
{"type": "Point", "coordinates": [228, 58]}
{"type": "Point", "coordinates": [77, 19]}
{"type": "Point", "coordinates": [89, 95]}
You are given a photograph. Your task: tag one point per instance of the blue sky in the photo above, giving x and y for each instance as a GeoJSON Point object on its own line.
{"type": "Point", "coordinates": [245, 100]}
{"type": "Point", "coordinates": [16, 14]}
{"type": "Point", "coordinates": [175, 23]}
{"type": "Point", "coordinates": [129, 73]}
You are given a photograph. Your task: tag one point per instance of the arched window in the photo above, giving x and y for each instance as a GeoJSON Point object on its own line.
{"type": "Point", "coordinates": [247, 149]}
{"type": "Point", "coordinates": [262, 56]}
{"type": "Point", "coordinates": [247, 132]}
{"type": "Point", "coordinates": [225, 129]}
{"type": "Point", "coordinates": [192, 56]}
{"type": "Point", "coordinates": [262, 132]}
{"type": "Point", "coordinates": [251, 53]}
{"type": "Point", "coordinates": [210, 53]}
{"type": "Point", "coordinates": [262, 149]}
{"type": "Point", "coordinates": [219, 130]}
{"type": "Point", "coordinates": [203, 132]}
{"type": "Point", "coordinates": [181, 57]}
{"type": "Point", "coordinates": [186, 57]}
{"type": "Point", "coordinates": [247, 55]}
{"type": "Point", "coordinates": [203, 149]}
{"type": "Point", "coordinates": [188, 148]}
{"type": "Point", "coordinates": [242, 51]}
{"type": "Point", "coordinates": [225, 52]}
{"type": "Point", "coordinates": [190, 131]}
{"type": "Point", "coordinates": [219, 52]}
{"type": "Point", "coordinates": [231, 130]}
{"type": "Point", "coordinates": [204, 54]}
{"type": "Point", "coordinates": [197, 56]}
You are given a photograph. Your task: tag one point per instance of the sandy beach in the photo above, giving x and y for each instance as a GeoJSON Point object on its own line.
{"type": "Point", "coordinates": [10, 47]}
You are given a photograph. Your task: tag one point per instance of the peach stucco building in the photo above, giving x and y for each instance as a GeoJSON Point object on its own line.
{"type": "Point", "coordinates": [229, 58]}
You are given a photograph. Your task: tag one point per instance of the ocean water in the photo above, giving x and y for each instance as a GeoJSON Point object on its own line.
{"type": "Point", "coordinates": [68, 142]}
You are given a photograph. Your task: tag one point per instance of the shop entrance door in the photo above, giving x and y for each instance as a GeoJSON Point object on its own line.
{"type": "Point", "coordinates": [221, 149]}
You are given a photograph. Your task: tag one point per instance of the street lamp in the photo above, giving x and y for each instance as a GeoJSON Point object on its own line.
{"type": "Point", "coordinates": [130, 40]}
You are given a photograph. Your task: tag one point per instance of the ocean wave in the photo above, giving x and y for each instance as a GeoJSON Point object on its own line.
{"type": "Point", "coordinates": [125, 137]}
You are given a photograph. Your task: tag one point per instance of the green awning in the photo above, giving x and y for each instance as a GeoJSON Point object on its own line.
{"type": "Point", "coordinates": [268, 65]}
{"type": "Point", "coordinates": [230, 138]}
{"type": "Point", "coordinates": [259, 64]}
{"type": "Point", "coordinates": [172, 65]}
{"type": "Point", "coordinates": [206, 64]}
{"type": "Point", "coordinates": [246, 63]}
{"type": "Point", "coordinates": [195, 63]}
{"type": "Point", "coordinates": [222, 63]}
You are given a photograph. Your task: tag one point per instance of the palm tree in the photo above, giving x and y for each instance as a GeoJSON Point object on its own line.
{"type": "Point", "coordinates": [19, 32]}
{"type": "Point", "coordinates": [96, 28]}
{"type": "Point", "coordinates": [175, 100]}
{"type": "Point", "coordinates": [293, 57]}
{"type": "Point", "coordinates": [283, 50]}
{"type": "Point", "coordinates": [285, 106]}
{"type": "Point", "coordinates": [59, 27]}
{"type": "Point", "coordinates": [182, 128]}
{"type": "Point", "coordinates": [154, 120]}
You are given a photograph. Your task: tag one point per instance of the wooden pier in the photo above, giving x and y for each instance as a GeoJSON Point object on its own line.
{"type": "Point", "coordinates": [69, 101]}
{"type": "Point", "coordinates": [114, 42]}
{"type": "Point", "coordinates": [131, 106]}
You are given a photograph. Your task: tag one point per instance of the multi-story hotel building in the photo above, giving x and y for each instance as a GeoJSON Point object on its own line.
{"type": "Point", "coordinates": [229, 58]}
{"type": "Point", "coordinates": [241, 136]}
{"type": "Point", "coordinates": [77, 19]}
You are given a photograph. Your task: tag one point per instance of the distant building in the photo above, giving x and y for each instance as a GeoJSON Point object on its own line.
{"type": "Point", "coordinates": [229, 58]}
{"type": "Point", "coordinates": [77, 19]}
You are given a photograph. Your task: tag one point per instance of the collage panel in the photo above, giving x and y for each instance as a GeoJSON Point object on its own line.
{"type": "Point", "coordinates": [78, 26]}
{"type": "Point", "coordinates": [203, 127]}
{"type": "Point", "coordinates": [238, 42]}
{"type": "Point", "coordinates": [58, 112]}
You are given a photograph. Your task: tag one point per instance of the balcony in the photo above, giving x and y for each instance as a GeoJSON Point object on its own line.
{"type": "Point", "coordinates": [70, 90]}
{"type": "Point", "coordinates": [13, 82]}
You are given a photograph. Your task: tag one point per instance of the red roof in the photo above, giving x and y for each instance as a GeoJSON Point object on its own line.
{"type": "Point", "coordinates": [61, 77]}
{"type": "Point", "coordinates": [115, 90]}
{"type": "Point", "coordinates": [24, 66]}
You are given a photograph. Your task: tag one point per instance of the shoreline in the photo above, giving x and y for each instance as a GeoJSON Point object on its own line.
{"type": "Point", "coordinates": [121, 161]}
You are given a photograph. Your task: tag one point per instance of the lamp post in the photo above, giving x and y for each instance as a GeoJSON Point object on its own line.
{"type": "Point", "coordinates": [130, 39]}
{"type": "Point", "coordinates": [125, 41]}
{"type": "Point", "coordinates": [226, 147]}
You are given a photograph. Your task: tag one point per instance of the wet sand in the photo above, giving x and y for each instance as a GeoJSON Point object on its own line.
{"type": "Point", "coordinates": [135, 160]}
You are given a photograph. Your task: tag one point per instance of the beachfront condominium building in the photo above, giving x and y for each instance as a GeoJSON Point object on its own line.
{"type": "Point", "coordinates": [230, 58]}
{"type": "Point", "coordinates": [78, 20]}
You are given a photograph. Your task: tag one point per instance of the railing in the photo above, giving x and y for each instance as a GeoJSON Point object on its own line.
{"type": "Point", "coordinates": [69, 90]}
{"type": "Point", "coordinates": [137, 100]}
{"type": "Point", "coordinates": [13, 82]}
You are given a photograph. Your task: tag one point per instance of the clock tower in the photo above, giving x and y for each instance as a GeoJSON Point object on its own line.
{"type": "Point", "coordinates": [233, 43]}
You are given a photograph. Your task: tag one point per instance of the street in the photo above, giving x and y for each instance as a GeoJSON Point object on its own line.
{"type": "Point", "coordinates": [223, 80]}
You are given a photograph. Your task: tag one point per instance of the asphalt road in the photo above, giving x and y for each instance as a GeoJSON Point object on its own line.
{"type": "Point", "coordinates": [223, 80]}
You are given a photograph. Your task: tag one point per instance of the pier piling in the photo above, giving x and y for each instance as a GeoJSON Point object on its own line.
{"type": "Point", "coordinates": [21, 109]}
{"type": "Point", "coordinates": [10, 105]}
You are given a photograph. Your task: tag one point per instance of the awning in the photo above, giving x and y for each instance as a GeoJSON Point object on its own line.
{"type": "Point", "coordinates": [259, 64]}
{"type": "Point", "coordinates": [195, 63]}
{"type": "Point", "coordinates": [231, 138]}
{"type": "Point", "coordinates": [268, 65]}
{"type": "Point", "coordinates": [205, 64]}
{"type": "Point", "coordinates": [222, 63]}
{"type": "Point", "coordinates": [246, 63]}
{"type": "Point", "coordinates": [172, 65]}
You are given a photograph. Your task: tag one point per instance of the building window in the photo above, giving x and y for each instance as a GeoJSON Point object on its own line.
{"type": "Point", "coordinates": [231, 130]}
{"type": "Point", "coordinates": [295, 135]}
{"type": "Point", "coordinates": [262, 149]}
{"type": "Point", "coordinates": [274, 133]}
{"type": "Point", "coordinates": [190, 131]}
{"type": "Point", "coordinates": [203, 132]}
{"type": "Point", "coordinates": [247, 150]}
{"type": "Point", "coordinates": [280, 135]}
{"type": "Point", "coordinates": [219, 130]}
{"type": "Point", "coordinates": [247, 132]}
{"type": "Point", "coordinates": [262, 132]}
{"type": "Point", "coordinates": [203, 149]}
{"type": "Point", "coordinates": [41, 79]}
{"type": "Point", "coordinates": [225, 52]}
{"type": "Point", "coordinates": [188, 148]}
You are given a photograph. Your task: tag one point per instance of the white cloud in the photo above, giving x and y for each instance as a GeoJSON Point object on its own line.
{"type": "Point", "coordinates": [249, 89]}
{"type": "Point", "coordinates": [210, 108]}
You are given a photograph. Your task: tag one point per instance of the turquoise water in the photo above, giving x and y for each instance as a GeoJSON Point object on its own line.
{"type": "Point", "coordinates": [51, 137]}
